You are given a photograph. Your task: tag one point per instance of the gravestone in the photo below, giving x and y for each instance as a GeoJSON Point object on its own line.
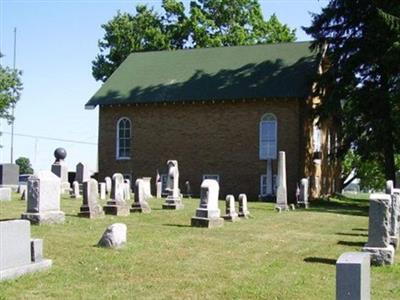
{"type": "Point", "coordinates": [188, 190]}
{"type": "Point", "coordinates": [60, 169]}
{"type": "Point", "coordinates": [90, 208]}
{"type": "Point", "coordinates": [75, 190]}
{"type": "Point", "coordinates": [389, 187]}
{"type": "Point", "coordinates": [127, 189]}
{"type": "Point", "coordinates": [303, 197]}
{"type": "Point", "coordinates": [398, 179]}
{"type": "Point", "coordinates": [5, 194]}
{"type": "Point", "coordinates": [243, 210]}
{"type": "Point", "coordinates": [9, 176]}
{"type": "Point", "coordinates": [19, 254]}
{"type": "Point", "coordinates": [117, 204]}
{"type": "Point", "coordinates": [147, 187]}
{"type": "Point", "coordinates": [82, 173]}
{"type": "Point", "coordinates": [43, 204]}
{"type": "Point", "coordinates": [394, 220]}
{"type": "Point", "coordinates": [22, 190]}
{"type": "Point", "coordinates": [158, 189]}
{"type": "Point", "coordinates": [114, 236]}
{"type": "Point", "coordinates": [353, 276]}
{"type": "Point", "coordinates": [140, 204]}
{"type": "Point", "coordinates": [108, 182]}
{"type": "Point", "coordinates": [230, 211]}
{"type": "Point", "coordinates": [378, 245]}
{"type": "Point", "coordinates": [208, 213]}
{"type": "Point", "coordinates": [281, 192]}
{"type": "Point", "coordinates": [174, 199]}
{"type": "Point", "coordinates": [102, 188]}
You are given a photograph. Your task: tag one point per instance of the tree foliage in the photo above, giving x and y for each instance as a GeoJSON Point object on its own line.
{"type": "Point", "coordinates": [24, 164]}
{"type": "Point", "coordinates": [10, 90]}
{"type": "Point", "coordinates": [205, 23]}
{"type": "Point", "coordinates": [361, 87]}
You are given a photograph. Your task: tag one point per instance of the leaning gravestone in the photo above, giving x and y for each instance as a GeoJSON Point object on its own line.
{"type": "Point", "coordinates": [60, 169]}
{"type": "Point", "coordinates": [208, 213]}
{"type": "Point", "coordinates": [82, 173]}
{"type": "Point", "coordinates": [114, 236]}
{"type": "Point", "coordinates": [19, 254]}
{"type": "Point", "coordinates": [117, 204]}
{"type": "Point", "coordinates": [353, 276]}
{"type": "Point", "coordinates": [140, 204]}
{"type": "Point", "coordinates": [90, 209]}
{"type": "Point", "coordinates": [5, 194]}
{"type": "Point", "coordinates": [303, 197]}
{"type": "Point", "coordinates": [243, 210]}
{"type": "Point", "coordinates": [281, 192]}
{"type": "Point", "coordinates": [378, 245]}
{"type": "Point", "coordinates": [174, 199]}
{"type": "Point", "coordinates": [108, 182]}
{"type": "Point", "coordinates": [43, 205]}
{"type": "Point", "coordinates": [9, 176]}
{"type": "Point", "coordinates": [230, 211]}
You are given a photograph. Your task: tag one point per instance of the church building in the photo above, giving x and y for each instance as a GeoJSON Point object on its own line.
{"type": "Point", "coordinates": [222, 113]}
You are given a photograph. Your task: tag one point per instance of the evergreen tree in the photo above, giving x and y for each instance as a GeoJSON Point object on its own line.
{"type": "Point", "coordinates": [361, 84]}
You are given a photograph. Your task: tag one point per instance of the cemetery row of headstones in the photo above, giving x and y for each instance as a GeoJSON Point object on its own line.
{"type": "Point", "coordinates": [353, 268]}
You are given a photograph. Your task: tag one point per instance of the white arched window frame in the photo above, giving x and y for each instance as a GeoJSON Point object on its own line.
{"type": "Point", "coordinates": [268, 137]}
{"type": "Point", "coordinates": [124, 138]}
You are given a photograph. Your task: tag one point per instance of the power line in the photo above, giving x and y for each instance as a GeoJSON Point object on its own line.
{"type": "Point", "coordinates": [50, 138]}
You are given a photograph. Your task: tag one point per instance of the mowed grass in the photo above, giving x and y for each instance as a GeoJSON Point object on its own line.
{"type": "Point", "coordinates": [290, 255]}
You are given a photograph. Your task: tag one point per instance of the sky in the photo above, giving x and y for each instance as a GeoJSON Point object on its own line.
{"type": "Point", "coordinates": [56, 43]}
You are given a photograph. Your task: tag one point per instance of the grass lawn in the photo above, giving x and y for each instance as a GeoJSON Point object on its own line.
{"type": "Point", "coordinates": [290, 255]}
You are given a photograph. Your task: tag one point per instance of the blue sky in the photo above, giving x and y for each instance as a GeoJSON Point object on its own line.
{"type": "Point", "coordinates": [56, 43]}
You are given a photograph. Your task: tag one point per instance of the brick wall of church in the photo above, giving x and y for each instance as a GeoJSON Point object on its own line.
{"type": "Point", "coordinates": [220, 138]}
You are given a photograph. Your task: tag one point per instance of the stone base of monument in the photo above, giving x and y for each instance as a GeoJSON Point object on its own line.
{"type": "Point", "coordinates": [380, 256]}
{"type": "Point", "coordinates": [303, 205]}
{"type": "Point", "coordinates": [231, 218]}
{"type": "Point", "coordinates": [140, 208]}
{"type": "Point", "coordinates": [172, 203]}
{"type": "Point", "coordinates": [207, 218]}
{"type": "Point", "coordinates": [49, 217]}
{"type": "Point", "coordinates": [91, 212]}
{"type": "Point", "coordinates": [115, 208]}
{"type": "Point", "coordinates": [244, 215]}
{"type": "Point", "coordinates": [394, 240]}
{"type": "Point", "coordinates": [207, 222]}
{"type": "Point", "coordinates": [281, 207]}
{"type": "Point", "coordinates": [25, 269]}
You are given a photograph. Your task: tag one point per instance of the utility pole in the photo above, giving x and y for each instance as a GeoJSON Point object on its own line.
{"type": "Point", "coordinates": [13, 105]}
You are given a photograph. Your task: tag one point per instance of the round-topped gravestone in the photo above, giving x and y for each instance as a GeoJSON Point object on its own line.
{"type": "Point", "coordinates": [60, 154]}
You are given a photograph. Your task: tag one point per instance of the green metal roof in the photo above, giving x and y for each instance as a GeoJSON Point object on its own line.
{"type": "Point", "coordinates": [241, 72]}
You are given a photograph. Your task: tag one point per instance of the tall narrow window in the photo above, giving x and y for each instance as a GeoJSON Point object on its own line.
{"type": "Point", "coordinates": [268, 137]}
{"type": "Point", "coordinates": [124, 138]}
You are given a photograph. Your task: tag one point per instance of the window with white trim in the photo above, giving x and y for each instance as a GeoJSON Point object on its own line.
{"type": "Point", "coordinates": [211, 176]}
{"type": "Point", "coordinates": [124, 136]}
{"type": "Point", "coordinates": [268, 137]}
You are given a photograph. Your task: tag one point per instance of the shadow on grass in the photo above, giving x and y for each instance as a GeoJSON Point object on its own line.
{"type": "Point", "coordinates": [177, 225]}
{"type": "Point", "coordinates": [341, 205]}
{"type": "Point", "coordinates": [74, 215]}
{"type": "Point", "coordinates": [320, 260]}
{"type": "Point", "coordinates": [347, 243]}
{"type": "Point", "coordinates": [351, 234]}
{"type": "Point", "coordinates": [360, 229]}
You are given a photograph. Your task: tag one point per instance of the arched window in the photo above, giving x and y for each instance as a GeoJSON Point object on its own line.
{"type": "Point", "coordinates": [268, 137]}
{"type": "Point", "coordinates": [124, 136]}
